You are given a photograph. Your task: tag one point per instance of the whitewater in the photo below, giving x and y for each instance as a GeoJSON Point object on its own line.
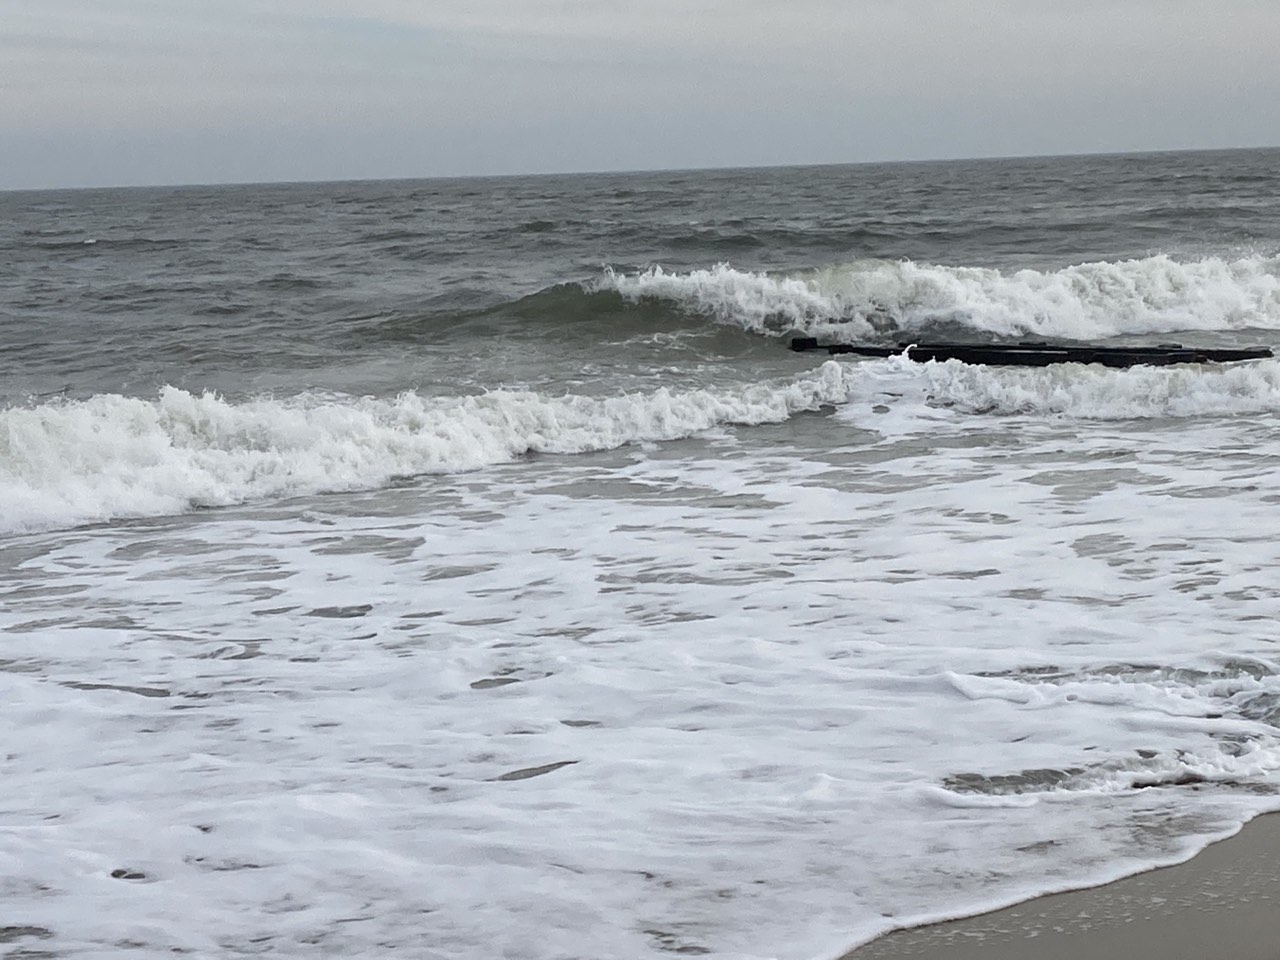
{"type": "Point", "coordinates": [112, 456]}
{"type": "Point", "coordinates": [1087, 301]}
{"type": "Point", "coordinates": [468, 569]}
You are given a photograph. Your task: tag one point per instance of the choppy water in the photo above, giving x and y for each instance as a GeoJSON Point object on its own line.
{"type": "Point", "coordinates": [467, 568]}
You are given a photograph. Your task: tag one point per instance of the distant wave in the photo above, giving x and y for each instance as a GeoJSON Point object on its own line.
{"type": "Point", "coordinates": [878, 299]}
{"type": "Point", "coordinates": [110, 456]}
{"type": "Point", "coordinates": [101, 245]}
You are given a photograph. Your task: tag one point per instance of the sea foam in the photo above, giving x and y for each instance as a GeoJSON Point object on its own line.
{"type": "Point", "coordinates": [113, 456]}
{"type": "Point", "coordinates": [1093, 392]}
{"type": "Point", "coordinates": [867, 298]}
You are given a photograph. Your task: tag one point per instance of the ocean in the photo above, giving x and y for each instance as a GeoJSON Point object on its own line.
{"type": "Point", "coordinates": [467, 568]}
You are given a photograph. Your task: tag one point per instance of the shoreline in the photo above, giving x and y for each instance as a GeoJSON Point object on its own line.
{"type": "Point", "coordinates": [1222, 904]}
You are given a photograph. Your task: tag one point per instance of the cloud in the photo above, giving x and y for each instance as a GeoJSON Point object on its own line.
{"type": "Point", "coordinates": [397, 87]}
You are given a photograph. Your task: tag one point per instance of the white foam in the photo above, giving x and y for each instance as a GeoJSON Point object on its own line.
{"type": "Point", "coordinates": [755, 301]}
{"type": "Point", "coordinates": [1099, 393]}
{"type": "Point", "coordinates": [114, 456]}
{"type": "Point", "coordinates": [800, 696]}
{"type": "Point", "coordinates": [1155, 294]}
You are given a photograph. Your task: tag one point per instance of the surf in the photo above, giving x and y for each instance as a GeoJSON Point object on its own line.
{"type": "Point", "coordinates": [877, 299]}
{"type": "Point", "coordinates": [72, 462]}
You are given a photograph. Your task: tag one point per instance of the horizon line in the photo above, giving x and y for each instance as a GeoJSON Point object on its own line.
{"type": "Point", "coordinates": [631, 171]}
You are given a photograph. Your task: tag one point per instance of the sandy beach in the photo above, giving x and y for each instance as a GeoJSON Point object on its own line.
{"type": "Point", "coordinates": [1221, 905]}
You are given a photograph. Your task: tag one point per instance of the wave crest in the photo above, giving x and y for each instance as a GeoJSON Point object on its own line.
{"type": "Point", "coordinates": [111, 456]}
{"type": "Point", "coordinates": [875, 298]}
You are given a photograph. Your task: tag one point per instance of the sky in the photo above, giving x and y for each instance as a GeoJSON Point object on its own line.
{"type": "Point", "coordinates": [135, 92]}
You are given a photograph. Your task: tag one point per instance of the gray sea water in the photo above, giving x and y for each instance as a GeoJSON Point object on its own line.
{"type": "Point", "coordinates": [468, 568]}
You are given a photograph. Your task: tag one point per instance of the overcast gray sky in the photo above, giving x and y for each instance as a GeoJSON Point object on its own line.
{"type": "Point", "coordinates": [96, 92]}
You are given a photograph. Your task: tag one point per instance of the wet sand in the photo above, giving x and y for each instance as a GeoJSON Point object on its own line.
{"type": "Point", "coordinates": [1221, 905]}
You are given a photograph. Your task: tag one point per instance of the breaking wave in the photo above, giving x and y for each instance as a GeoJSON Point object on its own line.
{"type": "Point", "coordinates": [879, 299]}
{"type": "Point", "coordinates": [1099, 393]}
{"type": "Point", "coordinates": [111, 456]}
